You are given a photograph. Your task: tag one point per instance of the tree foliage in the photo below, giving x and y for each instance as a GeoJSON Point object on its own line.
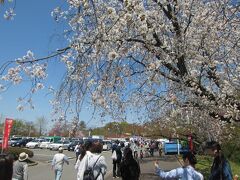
{"type": "Point", "coordinates": [23, 128]}
{"type": "Point", "coordinates": [145, 53]}
{"type": "Point", "coordinates": [118, 129]}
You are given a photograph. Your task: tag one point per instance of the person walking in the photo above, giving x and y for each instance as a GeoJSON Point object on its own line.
{"type": "Point", "coordinates": [129, 167]}
{"type": "Point", "coordinates": [135, 149]}
{"type": "Point", "coordinates": [97, 162]}
{"type": "Point", "coordinates": [160, 147]}
{"type": "Point", "coordinates": [20, 167]}
{"type": "Point", "coordinates": [77, 150]}
{"type": "Point", "coordinates": [221, 168]}
{"type": "Point", "coordinates": [57, 163]}
{"type": "Point", "coordinates": [117, 161]}
{"type": "Point", "coordinates": [186, 172]}
{"type": "Point", "coordinates": [152, 147]}
{"type": "Point", "coordinates": [83, 158]}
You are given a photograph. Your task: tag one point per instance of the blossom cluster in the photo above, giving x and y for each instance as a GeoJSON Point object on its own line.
{"type": "Point", "coordinates": [148, 53]}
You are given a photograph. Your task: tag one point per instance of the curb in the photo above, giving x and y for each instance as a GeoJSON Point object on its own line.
{"type": "Point", "coordinates": [33, 164]}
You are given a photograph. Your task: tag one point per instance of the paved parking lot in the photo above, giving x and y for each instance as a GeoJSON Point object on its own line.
{"type": "Point", "coordinates": [43, 171]}
{"type": "Point", "coordinates": [46, 155]}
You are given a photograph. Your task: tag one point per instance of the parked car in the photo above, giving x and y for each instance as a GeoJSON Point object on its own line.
{"type": "Point", "coordinates": [107, 145]}
{"type": "Point", "coordinates": [45, 144]}
{"type": "Point", "coordinates": [57, 145]}
{"type": "Point", "coordinates": [20, 143]}
{"type": "Point", "coordinates": [73, 144]}
{"type": "Point", "coordinates": [34, 144]}
{"type": "Point", "coordinates": [13, 140]}
{"type": "Point", "coordinates": [49, 140]}
{"type": "Point", "coordinates": [174, 146]}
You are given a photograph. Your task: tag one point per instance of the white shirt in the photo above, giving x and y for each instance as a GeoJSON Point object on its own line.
{"type": "Point", "coordinates": [58, 161]}
{"type": "Point", "coordinates": [76, 149]}
{"type": "Point", "coordinates": [187, 173]}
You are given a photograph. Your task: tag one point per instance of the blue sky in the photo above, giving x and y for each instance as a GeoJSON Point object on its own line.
{"type": "Point", "coordinates": [33, 29]}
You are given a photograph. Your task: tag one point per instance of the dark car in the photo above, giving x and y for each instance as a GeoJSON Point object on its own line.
{"type": "Point", "coordinates": [73, 144]}
{"type": "Point", "coordinates": [21, 142]}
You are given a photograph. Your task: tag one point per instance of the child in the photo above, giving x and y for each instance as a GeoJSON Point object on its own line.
{"type": "Point", "coordinates": [141, 154]}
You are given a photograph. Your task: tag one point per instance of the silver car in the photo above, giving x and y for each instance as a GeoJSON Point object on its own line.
{"type": "Point", "coordinates": [58, 144]}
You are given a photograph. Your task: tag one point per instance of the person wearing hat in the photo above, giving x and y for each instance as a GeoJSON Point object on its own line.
{"type": "Point", "coordinates": [20, 167]}
{"type": "Point", "coordinates": [186, 172]}
{"type": "Point", "coordinates": [57, 163]}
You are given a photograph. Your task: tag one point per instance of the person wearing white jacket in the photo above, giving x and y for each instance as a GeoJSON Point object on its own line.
{"type": "Point", "coordinates": [83, 159]}
{"type": "Point", "coordinates": [97, 162]}
{"type": "Point", "coordinates": [91, 158]}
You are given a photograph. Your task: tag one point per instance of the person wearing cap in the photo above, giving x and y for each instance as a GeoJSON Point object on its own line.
{"type": "Point", "coordinates": [20, 167]}
{"type": "Point", "coordinates": [186, 172]}
{"type": "Point", "coordinates": [57, 163]}
{"type": "Point", "coordinates": [221, 168]}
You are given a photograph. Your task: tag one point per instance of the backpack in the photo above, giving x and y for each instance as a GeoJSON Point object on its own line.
{"type": "Point", "coordinates": [88, 173]}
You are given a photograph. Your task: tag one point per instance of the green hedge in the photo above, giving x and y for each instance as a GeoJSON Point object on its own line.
{"type": "Point", "coordinates": [205, 162]}
{"type": "Point", "coordinates": [232, 150]}
{"type": "Point", "coordinates": [15, 151]}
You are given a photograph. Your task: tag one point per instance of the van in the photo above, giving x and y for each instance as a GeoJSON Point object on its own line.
{"type": "Point", "coordinates": [49, 140]}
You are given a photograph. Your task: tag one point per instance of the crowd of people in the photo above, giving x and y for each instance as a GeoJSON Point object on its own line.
{"type": "Point", "coordinates": [91, 164]}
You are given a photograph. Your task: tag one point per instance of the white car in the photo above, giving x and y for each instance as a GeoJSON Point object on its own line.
{"type": "Point", "coordinates": [34, 143]}
{"type": "Point", "coordinates": [57, 145]}
{"type": "Point", "coordinates": [45, 144]}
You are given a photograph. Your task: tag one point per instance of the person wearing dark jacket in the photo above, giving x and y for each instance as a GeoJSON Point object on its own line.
{"type": "Point", "coordinates": [129, 167]}
{"type": "Point", "coordinates": [6, 166]}
{"type": "Point", "coordinates": [220, 169]}
{"type": "Point", "coordinates": [116, 162]}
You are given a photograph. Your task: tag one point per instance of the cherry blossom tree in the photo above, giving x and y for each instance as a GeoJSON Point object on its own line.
{"type": "Point", "coordinates": [145, 53]}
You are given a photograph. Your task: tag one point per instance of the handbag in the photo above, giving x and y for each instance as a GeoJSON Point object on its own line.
{"type": "Point", "coordinates": [114, 155]}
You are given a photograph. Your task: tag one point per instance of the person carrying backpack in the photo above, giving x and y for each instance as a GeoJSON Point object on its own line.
{"type": "Point", "coordinates": [129, 167]}
{"type": "Point", "coordinates": [83, 158]}
{"type": "Point", "coordinates": [96, 165]}
{"type": "Point", "coordinates": [117, 161]}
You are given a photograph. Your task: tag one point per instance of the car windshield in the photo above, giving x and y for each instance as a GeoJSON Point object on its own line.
{"type": "Point", "coordinates": [59, 142]}
{"type": "Point", "coordinates": [47, 140]}
{"type": "Point", "coordinates": [15, 139]}
{"type": "Point", "coordinates": [34, 141]}
{"type": "Point", "coordinates": [106, 142]}
{"type": "Point", "coordinates": [21, 140]}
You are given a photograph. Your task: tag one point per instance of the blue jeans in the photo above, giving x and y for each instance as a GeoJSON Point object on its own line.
{"type": "Point", "coordinates": [58, 174]}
